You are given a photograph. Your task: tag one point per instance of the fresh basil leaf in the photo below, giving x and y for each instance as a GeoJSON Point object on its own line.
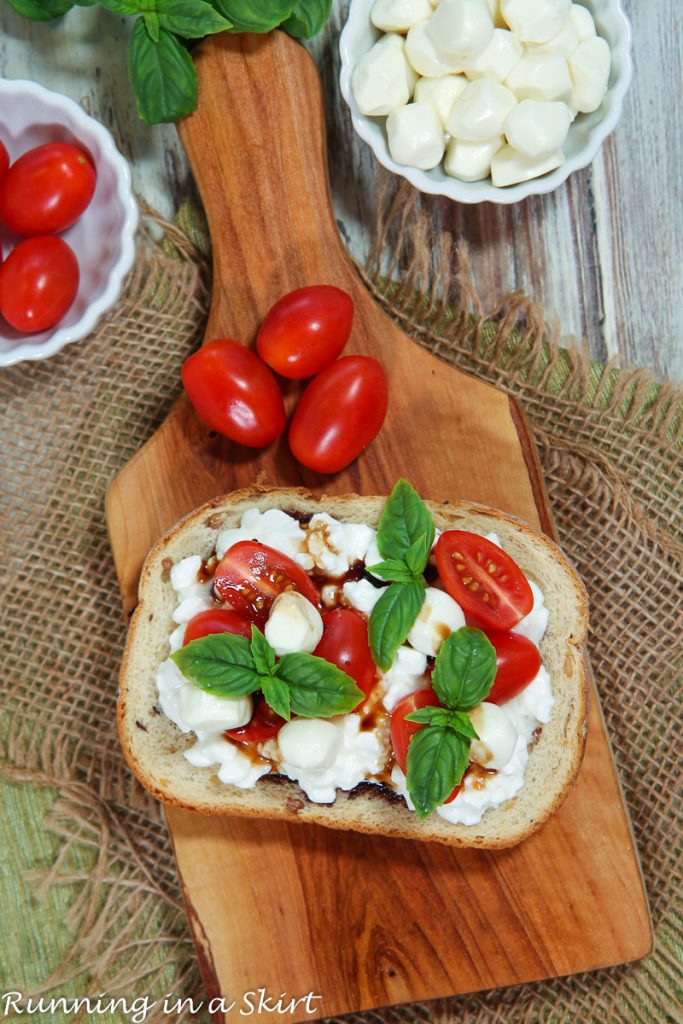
{"type": "Point", "coordinates": [465, 669]}
{"type": "Point", "coordinates": [404, 520]}
{"type": "Point", "coordinates": [307, 18]}
{"type": "Point", "coordinates": [418, 553]}
{"type": "Point", "coordinates": [430, 716]}
{"type": "Point", "coordinates": [254, 15]}
{"type": "Point", "coordinates": [191, 19]}
{"type": "Point", "coordinates": [127, 7]}
{"type": "Point", "coordinates": [392, 569]}
{"type": "Point", "coordinates": [317, 689]}
{"type": "Point", "coordinates": [41, 10]}
{"type": "Point", "coordinates": [437, 760]}
{"type": "Point", "coordinates": [277, 696]}
{"type": "Point", "coordinates": [461, 723]}
{"type": "Point", "coordinates": [163, 76]}
{"type": "Point", "coordinates": [220, 664]}
{"type": "Point", "coordinates": [152, 26]}
{"type": "Point", "coordinates": [262, 653]}
{"type": "Point", "coordinates": [391, 620]}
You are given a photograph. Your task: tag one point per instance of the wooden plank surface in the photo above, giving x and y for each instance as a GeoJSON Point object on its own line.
{"type": "Point", "coordinates": [360, 921]}
{"type": "Point", "coordinates": [604, 253]}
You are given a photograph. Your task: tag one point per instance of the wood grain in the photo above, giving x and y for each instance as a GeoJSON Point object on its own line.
{"type": "Point", "coordinates": [361, 921]}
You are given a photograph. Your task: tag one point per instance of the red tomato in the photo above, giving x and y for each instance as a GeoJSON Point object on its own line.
{"type": "Point", "coordinates": [339, 414]}
{"type": "Point", "coordinates": [251, 575]}
{"type": "Point", "coordinates": [235, 393]}
{"type": "Point", "coordinates": [46, 189]}
{"type": "Point", "coordinates": [306, 330]}
{"type": "Point", "coordinates": [402, 732]}
{"type": "Point", "coordinates": [4, 161]}
{"type": "Point", "coordinates": [217, 620]}
{"type": "Point", "coordinates": [517, 663]}
{"type": "Point", "coordinates": [38, 283]}
{"type": "Point", "coordinates": [488, 585]}
{"type": "Point", "coordinates": [265, 723]}
{"type": "Point", "coordinates": [345, 644]}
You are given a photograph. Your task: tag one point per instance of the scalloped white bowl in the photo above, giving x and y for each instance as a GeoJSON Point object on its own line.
{"type": "Point", "coordinates": [586, 135]}
{"type": "Point", "coordinates": [103, 238]}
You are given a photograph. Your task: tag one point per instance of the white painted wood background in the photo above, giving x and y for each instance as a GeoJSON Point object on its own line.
{"type": "Point", "coordinates": [604, 253]}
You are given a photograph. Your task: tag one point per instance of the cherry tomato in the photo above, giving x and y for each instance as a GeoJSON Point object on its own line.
{"type": "Point", "coordinates": [46, 189]}
{"type": "Point", "coordinates": [306, 330]}
{"type": "Point", "coordinates": [517, 663]}
{"type": "Point", "coordinates": [4, 161]}
{"type": "Point", "coordinates": [38, 283]}
{"type": "Point", "coordinates": [339, 414]}
{"type": "Point", "coordinates": [488, 585]}
{"type": "Point", "coordinates": [402, 732]}
{"type": "Point", "coordinates": [265, 723]}
{"type": "Point", "coordinates": [250, 576]}
{"type": "Point", "coordinates": [235, 393]}
{"type": "Point", "coordinates": [217, 620]}
{"type": "Point", "coordinates": [345, 644]}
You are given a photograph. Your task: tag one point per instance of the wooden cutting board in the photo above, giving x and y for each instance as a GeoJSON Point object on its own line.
{"type": "Point", "coordinates": [358, 921]}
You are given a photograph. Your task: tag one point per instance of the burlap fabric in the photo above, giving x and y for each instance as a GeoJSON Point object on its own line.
{"type": "Point", "coordinates": [610, 445]}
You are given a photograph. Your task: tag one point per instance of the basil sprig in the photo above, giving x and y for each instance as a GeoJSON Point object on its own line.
{"type": "Point", "coordinates": [405, 535]}
{"type": "Point", "coordinates": [301, 684]}
{"type": "Point", "coordinates": [438, 755]}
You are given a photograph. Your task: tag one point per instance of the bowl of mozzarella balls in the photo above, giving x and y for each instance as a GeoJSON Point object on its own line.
{"type": "Point", "coordinates": [485, 100]}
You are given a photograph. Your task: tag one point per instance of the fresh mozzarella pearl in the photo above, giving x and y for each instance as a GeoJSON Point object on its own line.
{"type": "Point", "coordinates": [203, 712]}
{"type": "Point", "coordinates": [544, 77]}
{"type": "Point", "coordinates": [309, 742]}
{"type": "Point", "coordinates": [537, 129]}
{"type": "Point", "coordinates": [184, 572]}
{"type": "Point", "coordinates": [564, 43]}
{"type": "Point", "coordinates": [536, 21]}
{"type": "Point", "coordinates": [380, 81]}
{"type": "Point", "coordinates": [294, 624]}
{"type": "Point", "coordinates": [361, 595]}
{"type": "Point", "coordinates": [415, 136]}
{"type": "Point", "coordinates": [508, 167]}
{"type": "Point", "coordinates": [479, 113]}
{"type": "Point", "coordinates": [498, 59]}
{"type": "Point", "coordinates": [426, 57]}
{"type": "Point", "coordinates": [440, 616]}
{"type": "Point", "coordinates": [394, 39]}
{"type": "Point", "coordinates": [442, 94]}
{"type": "Point", "coordinates": [496, 16]}
{"type": "Point", "coordinates": [582, 20]}
{"type": "Point", "coordinates": [471, 161]}
{"type": "Point", "coordinates": [399, 15]}
{"type": "Point", "coordinates": [462, 27]}
{"type": "Point", "coordinates": [497, 736]}
{"type": "Point", "coordinates": [589, 67]}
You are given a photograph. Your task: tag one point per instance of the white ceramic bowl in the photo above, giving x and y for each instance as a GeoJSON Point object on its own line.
{"type": "Point", "coordinates": [586, 135]}
{"type": "Point", "coordinates": [103, 238]}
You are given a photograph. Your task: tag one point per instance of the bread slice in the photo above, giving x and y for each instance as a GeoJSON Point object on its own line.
{"type": "Point", "coordinates": [153, 745]}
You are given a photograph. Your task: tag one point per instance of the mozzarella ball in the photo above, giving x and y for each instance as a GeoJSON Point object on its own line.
{"type": "Point", "coordinates": [471, 161]}
{"type": "Point", "coordinates": [509, 167]}
{"type": "Point", "coordinates": [479, 113]}
{"type": "Point", "coordinates": [462, 27]}
{"type": "Point", "coordinates": [564, 43]}
{"type": "Point", "coordinates": [309, 742]}
{"type": "Point", "coordinates": [496, 16]}
{"type": "Point", "coordinates": [497, 736]}
{"type": "Point", "coordinates": [204, 712]}
{"type": "Point", "coordinates": [294, 624]}
{"type": "Point", "coordinates": [544, 77]}
{"type": "Point", "coordinates": [399, 15]}
{"type": "Point", "coordinates": [537, 129]}
{"type": "Point", "coordinates": [498, 59]}
{"type": "Point", "coordinates": [582, 20]}
{"type": "Point", "coordinates": [426, 57]}
{"type": "Point", "coordinates": [536, 21]}
{"type": "Point", "coordinates": [589, 67]}
{"type": "Point", "coordinates": [416, 136]}
{"type": "Point", "coordinates": [394, 39]}
{"type": "Point", "coordinates": [442, 94]}
{"type": "Point", "coordinates": [380, 81]}
{"type": "Point", "coordinates": [439, 616]}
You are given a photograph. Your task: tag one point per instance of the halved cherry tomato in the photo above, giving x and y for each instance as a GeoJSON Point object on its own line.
{"type": "Point", "coordinates": [488, 585]}
{"type": "Point", "coordinates": [4, 161]}
{"type": "Point", "coordinates": [345, 644]}
{"type": "Point", "coordinates": [46, 189]}
{"type": "Point", "coordinates": [217, 620]}
{"type": "Point", "coordinates": [306, 330]}
{"type": "Point", "coordinates": [264, 724]}
{"type": "Point", "coordinates": [402, 732]}
{"type": "Point", "coordinates": [38, 283]}
{"type": "Point", "coordinates": [250, 576]}
{"type": "Point", "coordinates": [235, 393]}
{"type": "Point", "coordinates": [517, 663]}
{"type": "Point", "coordinates": [339, 414]}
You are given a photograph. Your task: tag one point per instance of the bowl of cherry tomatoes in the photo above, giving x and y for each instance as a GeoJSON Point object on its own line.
{"type": "Point", "coordinates": [67, 222]}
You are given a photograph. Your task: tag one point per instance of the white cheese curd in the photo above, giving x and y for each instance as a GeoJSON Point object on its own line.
{"type": "Point", "coordinates": [235, 768]}
{"type": "Point", "coordinates": [498, 59]}
{"type": "Point", "coordinates": [508, 167]}
{"type": "Point", "coordinates": [536, 128]}
{"type": "Point", "coordinates": [426, 57]}
{"type": "Point", "coordinates": [274, 528]}
{"type": "Point", "coordinates": [462, 27]}
{"type": "Point", "coordinates": [294, 624]}
{"type": "Point", "coordinates": [442, 94]}
{"type": "Point", "coordinates": [536, 21]}
{"type": "Point", "coordinates": [415, 136]}
{"type": "Point", "coordinates": [564, 43]}
{"type": "Point", "coordinates": [177, 637]}
{"type": "Point", "coordinates": [589, 67]}
{"type": "Point", "coordinates": [193, 710]}
{"type": "Point", "coordinates": [330, 595]}
{"type": "Point", "coordinates": [471, 161]}
{"type": "Point", "coordinates": [534, 625]}
{"type": "Point", "coordinates": [309, 742]}
{"type": "Point", "coordinates": [406, 675]}
{"type": "Point", "coordinates": [497, 736]}
{"type": "Point", "coordinates": [194, 599]}
{"type": "Point", "coordinates": [540, 77]}
{"type": "Point", "coordinates": [380, 81]}
{"type": "Point", "coordinates": [372, 555]}
{"type": "Point", "coordinates": [439, 616]}
{"type": "Point", "coordinates": [184, 572]}
{"type": "Point", "coordinates": [479, 113]}
{"type": "Point", "coordinates": [582, 20]}
{"type": "Point", "coordinates": [334, 546]}
{"type": "Point", "coordinates": [361, 595]}
{"type": "Point", "coordinates": [399, 15]}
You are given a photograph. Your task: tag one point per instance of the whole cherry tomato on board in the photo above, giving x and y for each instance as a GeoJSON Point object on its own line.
{"type": "Point", "coordinates": [217, 620]}
{"type": "Point", "coordinates": [46, 189]}
{"type": "Point", "coordinates": [488, 585]}
{"type": "Point", "coordinates": [235, 393]}
{"type": "Point", "coordinates": [517, 663]}
{"type": "Point", "coordinates": [4, 161]}
{"type": "Point", "coordinates": [402, 732]}
{"type": "Point", "coordinates": [263, 725]}
{"type": "Point", "coordinates": [306, 330]}
{"type": "Point", "coordinates": [339, 414]}
{"type": "Point", "coordinates": [345, 644]}
{"type": "Point", "coordinates": [38, 283]}
{"type": "Point", "coordinates": [250, 576]}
